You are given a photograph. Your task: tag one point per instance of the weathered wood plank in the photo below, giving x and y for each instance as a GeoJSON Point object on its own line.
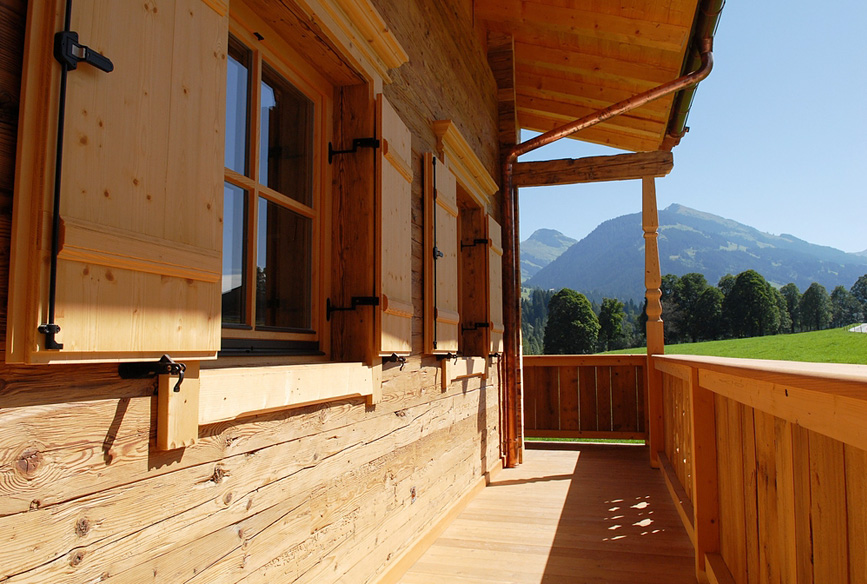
{"type": "Point", "coordinates": [828, 510]}
{"type": "Point", "coordinates": [731, 494]}
{"type": "Point", "coordinates": [587, 398]}
{"type": "Point", "coordinates": [856, 492]}
{"type": "Point", "coordinates": [569, 171]}
{"type": "Point", "coordinates": [569, 402]}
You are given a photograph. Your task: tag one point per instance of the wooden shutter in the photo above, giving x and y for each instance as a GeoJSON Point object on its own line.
{"type": "Point", "coordinates": [441, 258]}
{"type": "Point", "coordinates": [394, 189]}
{"type": "Point", "coordinates": [495, 286]}
{"type": "Point", "coordinates": [139, 264]}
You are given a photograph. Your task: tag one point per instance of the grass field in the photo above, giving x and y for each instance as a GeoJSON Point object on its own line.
{"type": "Point", "coordinates": [829, 346]}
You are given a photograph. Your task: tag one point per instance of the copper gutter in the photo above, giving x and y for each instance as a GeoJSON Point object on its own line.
{"type": "Point", "coordinates": [512, 289]}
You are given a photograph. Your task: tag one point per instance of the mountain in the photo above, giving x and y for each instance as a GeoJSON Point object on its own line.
{"type": "Point", "coordinates": [610, 261]}
{"type": "Point", "coordinates": [542, 248]}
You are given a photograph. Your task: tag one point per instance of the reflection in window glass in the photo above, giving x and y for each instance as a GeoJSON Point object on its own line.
{"type": "Point", "coordinates": [238, 72]}
{"type": "Point", "coordinates": [285, 138]}
{"type": "Point", "coordinates": [234, 199]}
{"type": "Point", "coordinates": [283, 277]}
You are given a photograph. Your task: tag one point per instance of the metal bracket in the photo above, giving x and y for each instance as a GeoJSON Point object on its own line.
{"type": "Point", "coordinates": [49, 330]}
{"type": "Point", "coordinates": [356, 144]}
{"type": "Point", "coordinates": [395, 358]}
{"type": "Point", "coordinates": [477, 241]}
{"type": "Point", "coordinates": [69, 52]}
{"type": "Point", "coordinates": [476, 326]}
{"type": "Point", "coordinates": [437, 253]}
{"type": "Point", "coordinates": [494, 356]}
{"type": "Point", "coordinates": [165, 366]}
{"type": "Point", "coordinates": [448, 356]}
{"type": "Point", "coordinates": [356, 302]}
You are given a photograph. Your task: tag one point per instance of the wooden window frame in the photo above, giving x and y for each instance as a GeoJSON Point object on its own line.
{"type": "Point", "coordinates": [266, 47]}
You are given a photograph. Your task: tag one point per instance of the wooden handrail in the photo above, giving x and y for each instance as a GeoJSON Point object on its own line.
{"type": "Point", "coordinates": [580, 360]}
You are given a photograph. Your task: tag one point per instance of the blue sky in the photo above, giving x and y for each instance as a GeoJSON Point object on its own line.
{"type": "Point", "coordinates": [778, 134]}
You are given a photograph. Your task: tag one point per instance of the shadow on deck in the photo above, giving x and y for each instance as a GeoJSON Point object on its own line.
{"type": "Point", "coordinates": [593, 513]}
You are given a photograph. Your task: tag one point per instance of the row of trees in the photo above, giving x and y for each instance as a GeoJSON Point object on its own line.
{"type": "Point", "coordinates": [745, 305]}
{"type": "Point", "coordinates": [619, 323]}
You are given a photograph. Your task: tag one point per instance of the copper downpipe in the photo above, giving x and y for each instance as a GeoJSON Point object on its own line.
{"type": "Point", "coordinates": [512, 289]}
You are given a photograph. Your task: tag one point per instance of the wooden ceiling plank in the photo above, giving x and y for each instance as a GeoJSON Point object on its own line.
{"type": "Point", "coordinates": [602, 134]}
{"type": "Point", "coordinates": [570, 171]}
{"type": "Point", "coordinates": [566, 106]}
{"type": "Point", "coordinates": [678, 12]}
{"type": "Point", "coordinates": [594, 65]}
{"type": "Point", "coordinates": [541, 83]}
{"type": "Point", "coordinates": [592, 24]}
{"type": "Point", "coordinates": [568, 112]}
{"type": "Point", "coordinates": [550, 39]}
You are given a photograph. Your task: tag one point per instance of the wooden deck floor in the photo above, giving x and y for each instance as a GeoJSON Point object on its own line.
{"type": "Point", "coordinates": [599, 514]}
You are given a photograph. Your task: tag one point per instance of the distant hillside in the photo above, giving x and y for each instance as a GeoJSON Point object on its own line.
{"type": "Point", "coordinates": [610, 261]}
{"type": "Point", "coordinates": [542, 248]}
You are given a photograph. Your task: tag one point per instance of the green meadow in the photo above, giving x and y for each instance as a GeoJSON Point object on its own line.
{"type": "Point", "coordinates": [828, 346]}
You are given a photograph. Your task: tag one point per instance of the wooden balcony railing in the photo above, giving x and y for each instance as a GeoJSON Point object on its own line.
{"type": "Point", "coordinates": [768, 463]}
{"type": "Point", "coordinates": [584, 396]}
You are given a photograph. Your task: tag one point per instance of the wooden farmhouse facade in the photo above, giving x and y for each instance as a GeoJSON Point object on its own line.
{"type": "Point", "coordinates": [261, 294]}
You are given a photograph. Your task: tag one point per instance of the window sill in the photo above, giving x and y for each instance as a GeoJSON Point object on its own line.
{"type": "Point", "coordinates": [230, 393]}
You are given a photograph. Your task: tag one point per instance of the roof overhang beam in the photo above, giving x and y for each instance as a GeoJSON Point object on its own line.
{"type": "Point", "coordinates": [570, 171]}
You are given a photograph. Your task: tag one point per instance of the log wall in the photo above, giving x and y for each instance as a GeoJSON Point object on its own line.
{"type": "Point", "coordinates": [325, 493]}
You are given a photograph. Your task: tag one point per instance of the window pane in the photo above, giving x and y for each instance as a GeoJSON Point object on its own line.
{"type": "Point", "coordinates": [283, 277]}
{"type": "Point", "coordinates": [238, 72]}
{"type": "Point", "coordinates": [234, 214]}
{"type": "Point", "coordinates": [285, 138]}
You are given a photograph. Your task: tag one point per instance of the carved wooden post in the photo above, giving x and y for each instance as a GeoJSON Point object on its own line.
{"type": "Point", "coordinates": [655, 340]}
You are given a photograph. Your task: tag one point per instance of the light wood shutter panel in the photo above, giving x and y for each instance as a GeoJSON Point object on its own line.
{"type": "Point", "coordinates": [394, 188]}
{"type": "Point", "coordinates": [442, 318]}
{"type": "Point", "coordinates": [495, 285]}
{"type": "Point", "coordinates": [139, 265]}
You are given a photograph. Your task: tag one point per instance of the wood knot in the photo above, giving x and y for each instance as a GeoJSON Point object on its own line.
{"type": "Point", "coordinates": [29, 462]}
{"type": "Point", "coordinates": [76, 558]}
{"type": "Point", "coordinates": [218, 475]}
{"type": "Point", "coordinates": [35, 504]}
{"type": "Point", "coordinates": [227, 498]}
{"type": "Point", "coordinates": [82, 526]}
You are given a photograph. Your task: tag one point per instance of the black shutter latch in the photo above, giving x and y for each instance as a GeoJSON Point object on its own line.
{"type": "Point", "coordinates": [69, 52]}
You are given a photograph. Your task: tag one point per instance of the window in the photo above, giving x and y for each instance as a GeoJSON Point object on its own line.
{"type": "Point", "coordinates": [272, 204]}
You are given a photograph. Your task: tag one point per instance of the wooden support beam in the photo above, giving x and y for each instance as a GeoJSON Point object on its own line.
{"type": "Point", "coordinates": [569, 171]}
{"type": "Point", "coordinates": [501, 58]}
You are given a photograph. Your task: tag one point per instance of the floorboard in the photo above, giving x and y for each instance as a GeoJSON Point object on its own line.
{"type": "Point", "coordinates": [597, 514]}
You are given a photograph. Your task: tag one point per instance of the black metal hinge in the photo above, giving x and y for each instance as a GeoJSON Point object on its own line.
{"type": "Point", "coordinates": [356, 144]}
{"type": "Point", "coordinates": [476, 326]}
{"type": "Point", "coordinates": [70, 52]}
{"type": "Point", "coordinates": [356, 302]}
{"type": "Point", "coordinates": [477, 241]}
{"type": "Point", "coordinates": [437, 254]}
{"type": "Point", "coordinates": [165, 366]}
